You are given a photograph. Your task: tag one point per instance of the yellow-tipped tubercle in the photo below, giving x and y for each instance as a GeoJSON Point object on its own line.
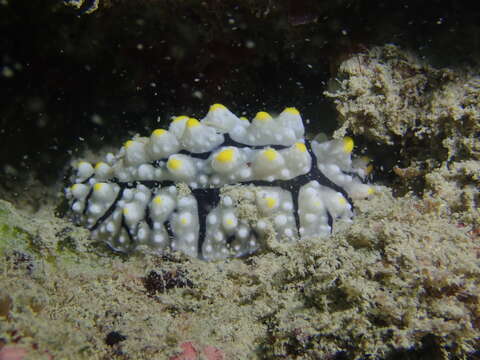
{"type": "Point", "coordinates": [159, 132]}
{"type": "Point", "coordinates": [174, 164]}
{"type": "Point", "coordinates": [217, 107]}
{"type": "Point", "coordinates": [192, 122]}
{"type": "Point", "coordinates": [270, 154]}
{"type": "Point", "coordinates": [225, 155]}
{"type": "Point", "coordinates": [348, 144]}
{"type": "Point", "coordinates": [271, 202]}
{"type": "Point", "coordinates": [292, 111]}
{"type": "Point", "coordinates": [301, 147]}
{"type": "Point", "coordinates": [98, 186]}
{"type": "Point", "coordinates": [157, 199]}
{"type": "Point", "coordinates": [180, 118]}
{"type": "Point", "coordinates": [263, 115]}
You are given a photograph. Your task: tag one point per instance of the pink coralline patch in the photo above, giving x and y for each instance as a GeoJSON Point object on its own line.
{"type": "Point", "coordinates": [212, 353]}
{"type": "Point", "coordinates": [190, 353]}
{"type": "Point", "coordinates": [12, 353]}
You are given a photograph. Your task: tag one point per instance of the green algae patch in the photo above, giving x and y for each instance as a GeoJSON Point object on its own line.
{"type": "Point", "coordinates": [11, 234]}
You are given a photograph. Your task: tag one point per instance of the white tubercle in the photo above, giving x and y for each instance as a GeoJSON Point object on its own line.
{"type": "Point", "coordinates": [102, 197]}
{"type": "Point", "coordinates": [103, 171]}
{"type": "Point", "coordinates": [284, 130]}
{"type": "Point", "coordinates": [199, 138]}
{"type": "Point", "coordinates": [312, 211]}
{"type": "Point", "coordinates": [226, 160]}
{"type": "Point", "coordinates": [267, 163]}
{"type": "Point", "coordinates": [336, 204]}
{"type": "Point", "coordinates": [185, 226]}
{"type": "Point", "coordinates": [290, 118]}
{"type": "Point", "coordinates": [181, 167]}
{"type": "Point", "coordinates": [80, 191]}
{"type": "Point", "coordinates": [222, 119]}
{"type": "Point", "coordinates": [162, 144]}
{"type": "Point", "coordinates": [133, 212]}
{"type": "Point", "coordinates": [103, 192]}
{"type": "Point", "coordinates": [146, 172]}
{"type": "Point", "coordinates": [297, 160]}
{"type": "Point", "coordinates": [229, 221]}
{"type": "Point", "coordinates": [178, 125]}
{"type": "Point", "coordinates": [161, 207]}
{"type": "Point", "coordinates": [335, 162]}
{"type": "Point", "coordinates": [84, 171]}
{"type": "Point", "coordinates": [135, 152]}
{"type": "Point", "coordinates": [268, 200]}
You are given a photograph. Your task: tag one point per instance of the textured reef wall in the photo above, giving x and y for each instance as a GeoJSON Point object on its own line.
{"type": "Point", "coordinates": [427, 119]}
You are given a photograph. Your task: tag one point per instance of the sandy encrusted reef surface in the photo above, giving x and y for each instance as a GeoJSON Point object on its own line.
{"type": "Point", "coordinates": [404, 274]}
{"type": "Point", "coordinates": [426, 119]}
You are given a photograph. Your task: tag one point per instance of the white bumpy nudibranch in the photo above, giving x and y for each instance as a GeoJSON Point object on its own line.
{"type": "Point", "coordinates": [167, 190]}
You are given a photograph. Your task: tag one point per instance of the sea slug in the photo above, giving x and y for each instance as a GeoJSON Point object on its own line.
{"type": "Point", "coordinates": [176, 188]}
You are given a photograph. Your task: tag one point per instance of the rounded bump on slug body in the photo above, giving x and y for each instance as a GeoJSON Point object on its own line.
{"type": "Point", "coordinates": [226, 155]}
{"type": "Point", "coordinates": [179, 118]}
{"type": "Point", "coordinates": [159, 132]}
{"type": "Point", "coordinates": [270, 154]}
{"type": "Point", "coordinates": [192, 122]}
{"type": "Point", "coordinates": [291, 111]}
{"type": "Point", "coordinates": [174, 164]}
{"type": "Point", "coordinates": [348, 144]}
{"type": "Point", "coordinates": [271, 202]}
{"type": "Point", "coordinates": [263, 116]}
{"type": "Point", "coordinates": [216, 107]}
{"type": "Point", "coordinates": [300, 147]}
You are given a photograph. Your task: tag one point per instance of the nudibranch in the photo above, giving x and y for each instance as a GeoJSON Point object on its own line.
{"type": "Point", "coordinates": [217, 187]}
